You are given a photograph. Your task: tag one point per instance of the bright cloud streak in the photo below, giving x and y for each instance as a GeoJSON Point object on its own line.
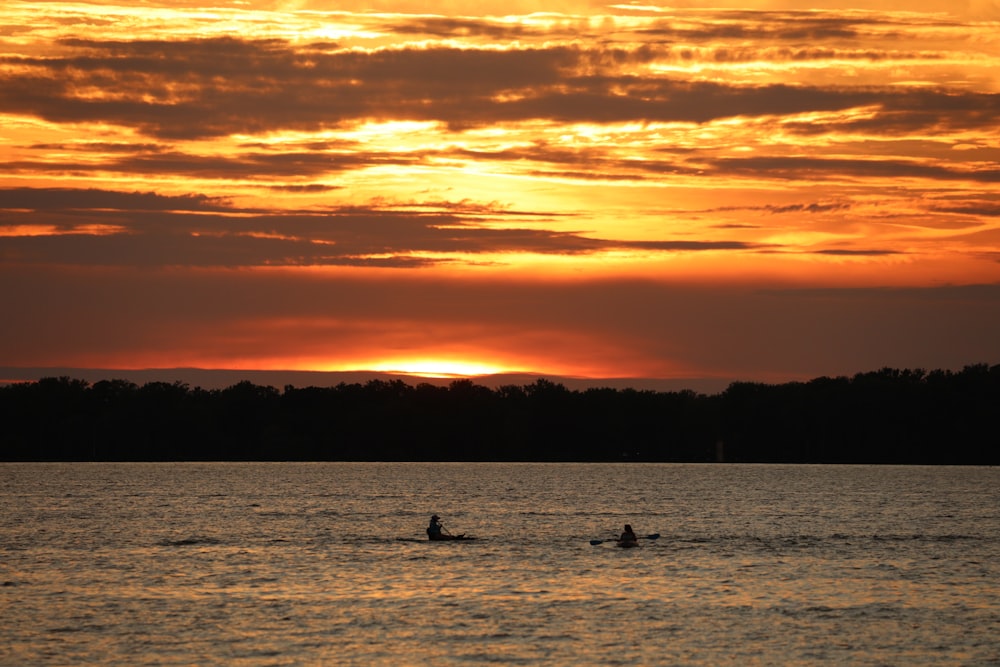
{"type": "Point", "coordinates": [769, 191]}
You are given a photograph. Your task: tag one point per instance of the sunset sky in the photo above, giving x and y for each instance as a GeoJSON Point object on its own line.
{"type": "Point", "coordinates": [766, 191]}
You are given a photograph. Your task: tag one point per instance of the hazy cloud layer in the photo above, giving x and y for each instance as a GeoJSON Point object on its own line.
{"type": "Point", "coordinates": [223, 317]}
{"type": "Point", "coordinates": [154, 230]}
{"type": "Point", "coordinates": [210, 87]}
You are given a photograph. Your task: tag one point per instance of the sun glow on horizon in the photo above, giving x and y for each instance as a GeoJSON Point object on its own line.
{"type": "Point", "coordinates": [438, 368]}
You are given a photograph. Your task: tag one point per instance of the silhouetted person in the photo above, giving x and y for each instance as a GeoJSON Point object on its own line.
{"type": "Point", "coordinates": [435, 531]}
{"type": "Point", "coordinates": [628, 538]}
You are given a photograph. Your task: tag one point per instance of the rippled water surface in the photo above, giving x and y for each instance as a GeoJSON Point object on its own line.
{"type": "Point", "coordinates": [303, 564]}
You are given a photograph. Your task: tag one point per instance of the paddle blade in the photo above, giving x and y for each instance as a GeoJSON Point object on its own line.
{"type": "Point", "coordinates": [654, 536]}
{"type": "Point", "coordinates": [596, 542]}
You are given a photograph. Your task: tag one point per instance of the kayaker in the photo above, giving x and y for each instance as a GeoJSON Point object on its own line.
{"type": "Point", "coordinates": [629, 536]}
{"type": "Point", "coordinates": [435, 528]}
{"type": "Point", "coordinates": [436, 531]}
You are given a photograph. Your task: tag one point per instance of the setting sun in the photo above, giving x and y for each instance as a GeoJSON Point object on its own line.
{"type": "Point", "coordinates": [437, 368]}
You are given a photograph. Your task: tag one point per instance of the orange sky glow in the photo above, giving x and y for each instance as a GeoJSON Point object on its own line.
{"type": "Point", "coordinates": [756, 190]}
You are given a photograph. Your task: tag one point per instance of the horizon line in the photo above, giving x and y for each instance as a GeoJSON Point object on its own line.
{"type": "Point", "coordinates": [222, 378]}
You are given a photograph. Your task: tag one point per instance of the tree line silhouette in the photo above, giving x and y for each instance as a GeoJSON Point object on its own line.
{"type": "Point", "coordinates": [885, 416]}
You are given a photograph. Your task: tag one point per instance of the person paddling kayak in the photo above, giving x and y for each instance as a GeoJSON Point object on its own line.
{"type": "Point", "coordinates": [435, 531]}
{"type": "Point", "coordinates": [628, 538]}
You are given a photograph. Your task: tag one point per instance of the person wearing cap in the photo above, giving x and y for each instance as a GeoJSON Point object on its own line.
{"type": "Point", "coordinates": [436, 531]}
{"type": "Point", "coordinates": [628, 538]}
{"type": "Point", "coordinates": [435, 528]}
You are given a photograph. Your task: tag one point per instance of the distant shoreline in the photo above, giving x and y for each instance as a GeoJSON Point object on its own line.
{"type": "Point", "coordinates": [207, 378]}
{"type": "Point", "coordinates": [888, 416]}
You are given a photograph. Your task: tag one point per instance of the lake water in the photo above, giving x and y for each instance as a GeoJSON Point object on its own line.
{"type": "Point", "coordinates": [326, 563]}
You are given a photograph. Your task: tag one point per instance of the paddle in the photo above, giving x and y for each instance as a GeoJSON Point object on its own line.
{"type": "Point", "coordinates": [454, 537]}
{"type": "Point", "coordinates": [654, 536]}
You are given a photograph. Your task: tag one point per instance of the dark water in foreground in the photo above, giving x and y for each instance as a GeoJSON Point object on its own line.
{"type": "Point", "coordinates": [303, 564]}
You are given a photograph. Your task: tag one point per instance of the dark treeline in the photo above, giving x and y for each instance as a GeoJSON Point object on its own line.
{"type": "Point", "coordinates": [887, 416]}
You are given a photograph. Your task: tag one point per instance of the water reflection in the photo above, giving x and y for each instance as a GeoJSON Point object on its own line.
{"type": "Point", "coordinates": [267, 564]}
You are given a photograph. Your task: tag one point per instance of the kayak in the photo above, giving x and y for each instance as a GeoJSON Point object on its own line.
{"type": "Point", "coordinates": [442, 538]}
{"type": "Point", "coordinates": [627, 544]}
